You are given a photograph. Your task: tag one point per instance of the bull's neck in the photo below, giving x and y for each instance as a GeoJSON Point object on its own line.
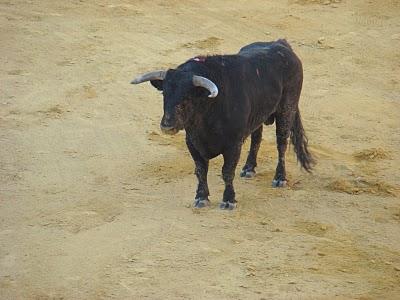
{"type": "Point", "coordinates": [196, 111]}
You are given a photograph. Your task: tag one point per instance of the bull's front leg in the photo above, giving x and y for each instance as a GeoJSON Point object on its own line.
{"type": "Point", "coordinates": [231, 159]}
{"type": "Point", "coordinates": [201, 170]}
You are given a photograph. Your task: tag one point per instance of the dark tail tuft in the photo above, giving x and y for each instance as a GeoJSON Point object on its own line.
{"type": "Point", "coordinates": [300, 143]}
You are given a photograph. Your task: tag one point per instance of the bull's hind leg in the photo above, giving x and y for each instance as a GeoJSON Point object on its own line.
{"type": "Point", "coordinates": [248, 171]}
{"type": "Point", "coordinates": [283, 121]}
{"type": "Point", "coordinates": [201, 170]}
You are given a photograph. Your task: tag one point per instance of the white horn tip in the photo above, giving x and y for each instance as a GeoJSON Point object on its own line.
{"type": "Point", "coordinates": [213, 94]}
{"type": "Point", "coordinates": [135, 81]}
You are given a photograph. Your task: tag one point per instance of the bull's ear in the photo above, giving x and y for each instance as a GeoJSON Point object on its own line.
{"type": "Point", "coordinates": [158, 84]}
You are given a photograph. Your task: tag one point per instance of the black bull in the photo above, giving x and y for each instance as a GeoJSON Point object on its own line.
{"type": "Point", "coordinates": [220, 100]}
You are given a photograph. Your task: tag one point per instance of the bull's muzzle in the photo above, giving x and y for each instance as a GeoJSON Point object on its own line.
{"type": "Point", "coordinates": [169, 130]}
{"type": "Point", "coordinates": [167, 124]}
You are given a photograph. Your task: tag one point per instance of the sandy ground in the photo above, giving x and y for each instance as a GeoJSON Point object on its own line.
{"type": "Point", "coordinates": [96, 204]}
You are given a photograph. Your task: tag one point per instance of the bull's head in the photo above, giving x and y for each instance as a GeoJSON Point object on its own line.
{"type": "Point", "coordinates": [177, 87]}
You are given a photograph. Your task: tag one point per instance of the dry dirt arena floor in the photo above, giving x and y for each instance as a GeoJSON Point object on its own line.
{"type": "Point", "coordinates": [96, 204]}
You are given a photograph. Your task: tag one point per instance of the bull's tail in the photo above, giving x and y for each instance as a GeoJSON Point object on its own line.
{"type": "Point", "coordinates": [300, 143]}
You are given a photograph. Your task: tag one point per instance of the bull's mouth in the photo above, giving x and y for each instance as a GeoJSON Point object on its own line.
{"type": "Point", "coordinates": [169, 130]}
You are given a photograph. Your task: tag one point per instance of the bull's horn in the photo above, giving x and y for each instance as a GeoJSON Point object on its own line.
{"type": "Point", "coordinates": [155, 75]}
{"type": "Point", "coordinates": [207, 84]}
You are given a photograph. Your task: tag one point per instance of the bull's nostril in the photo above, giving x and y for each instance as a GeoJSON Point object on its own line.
{"type": "Point", "coordinates": [166, 123]}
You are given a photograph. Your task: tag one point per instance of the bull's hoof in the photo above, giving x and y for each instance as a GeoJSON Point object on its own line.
{"type": "Point", "coordinates": [227, 205]}
{"type": "Point", "coordinates": [248, 173]}
{"type": "Point", "coordinates": [200, 203]}
{"type": "Point", "coordinates": [279, 183]}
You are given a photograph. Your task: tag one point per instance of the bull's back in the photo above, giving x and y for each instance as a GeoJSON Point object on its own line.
{"type": "Point", "coordinates": [263, 47]}
{"type": "Point", "coordinates": [277, 55]}
{"type": "Point", "coordinates": [270, 69]}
